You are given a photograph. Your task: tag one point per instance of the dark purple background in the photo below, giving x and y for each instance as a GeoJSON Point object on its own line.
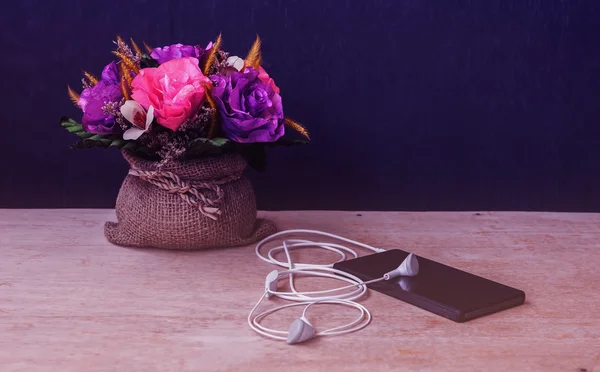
{"type": "Point", "coordinates": [412, 104]}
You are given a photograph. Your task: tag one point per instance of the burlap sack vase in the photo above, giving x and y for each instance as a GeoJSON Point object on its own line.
{"type": "Point", "coordinates": [188, 205]}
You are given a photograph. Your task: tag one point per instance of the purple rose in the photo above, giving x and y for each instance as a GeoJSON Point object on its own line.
{"type": "Point", "coordinates": [95, 100]}
{"type": "Point", "coordinates": [250, 108]}
{"type": "Point", "coordinates": [175, 51]}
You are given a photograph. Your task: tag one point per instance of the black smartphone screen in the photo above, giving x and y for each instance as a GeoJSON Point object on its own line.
{"type": "Point", "coordinates": [443, 290]}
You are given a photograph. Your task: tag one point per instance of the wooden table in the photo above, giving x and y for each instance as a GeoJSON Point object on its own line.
{"type": "Point", "coordinates": [70, 301]}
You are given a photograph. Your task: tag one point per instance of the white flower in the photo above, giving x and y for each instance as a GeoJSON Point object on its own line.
{"type": "Point", "coordinates": [136, 115]}
{"type": "Point", "coordinates": [235, 62]}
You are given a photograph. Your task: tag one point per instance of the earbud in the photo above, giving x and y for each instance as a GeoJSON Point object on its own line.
{"type": "Point", "coordinates": [408, 267]}
{"type": "Point", "coordinates": [301, 330]}
{"type": "Point", "coordinates": [271, 282]}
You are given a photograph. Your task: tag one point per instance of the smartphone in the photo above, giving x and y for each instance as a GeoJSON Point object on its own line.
{"type": "Point", "coordinates": [440, 289]}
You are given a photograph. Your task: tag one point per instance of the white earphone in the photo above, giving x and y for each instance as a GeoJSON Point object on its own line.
{"type": "Point", "coordinates": [301, 329]}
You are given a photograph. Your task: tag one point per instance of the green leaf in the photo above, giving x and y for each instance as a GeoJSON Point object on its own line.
{"type": "Point", "coordinates": [147, 61]}
{"type": "Point", "coordinates": [74, 127]}
{"type": "Point", "coordinates": [68, 122]}
{"type": "Point", "coordinates": [131, 146]}
{"type": "Point", "coordinates": [106, 141]}
{"type": "Point", "coordinates": [86, 144]}
{"type": "Point", "coordinates": [97, 137]}
{"type": "Point", "coordinates": [219, 141]}
{"type": "Point", "coordinates": [78, 130]}
{"type": "Point", "coordinates": [119, 143]}
{"type": "Point", "coordinates": [287, 142]}
{"type": "Point", "coordinates": [204, 147]}
{"type": "Point", "coordinates": [214, 142]}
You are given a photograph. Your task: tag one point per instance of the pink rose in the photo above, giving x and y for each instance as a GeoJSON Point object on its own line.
{"type": "Point", "coordinates": [175, 90]}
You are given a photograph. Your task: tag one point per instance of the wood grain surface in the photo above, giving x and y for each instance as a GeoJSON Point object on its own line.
{"type": "Point", "coordinates": [70, 301]}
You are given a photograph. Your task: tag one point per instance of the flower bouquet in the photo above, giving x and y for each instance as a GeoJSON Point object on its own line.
{"type": "Point", "coordinates": [188, 120]}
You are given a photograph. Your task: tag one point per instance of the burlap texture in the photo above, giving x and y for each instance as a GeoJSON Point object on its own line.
{"type": "Point", "coordinates": [151, 217]}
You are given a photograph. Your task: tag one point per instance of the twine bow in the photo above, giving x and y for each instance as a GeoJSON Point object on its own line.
{"type": "Point", "coordinates": [171, 183]}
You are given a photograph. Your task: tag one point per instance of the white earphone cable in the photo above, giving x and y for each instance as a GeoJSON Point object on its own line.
{"type": "Point", "coordinates": [365, 318]}
{"type": "Point", "coordinates": [307, 243]}
{"type": "Point", "coordinates": [309, 298]}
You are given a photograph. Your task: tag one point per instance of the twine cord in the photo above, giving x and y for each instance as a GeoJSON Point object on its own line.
{"type": "Point", "coordinates": [191, 194]}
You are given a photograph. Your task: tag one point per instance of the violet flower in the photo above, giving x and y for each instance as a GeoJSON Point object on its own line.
{"type": "Point", "coordinates": [94, 100]}
{"type": "Point", "coordinates": [169, 52]}
{"type": "Point", "coordinates": [251, 110]}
